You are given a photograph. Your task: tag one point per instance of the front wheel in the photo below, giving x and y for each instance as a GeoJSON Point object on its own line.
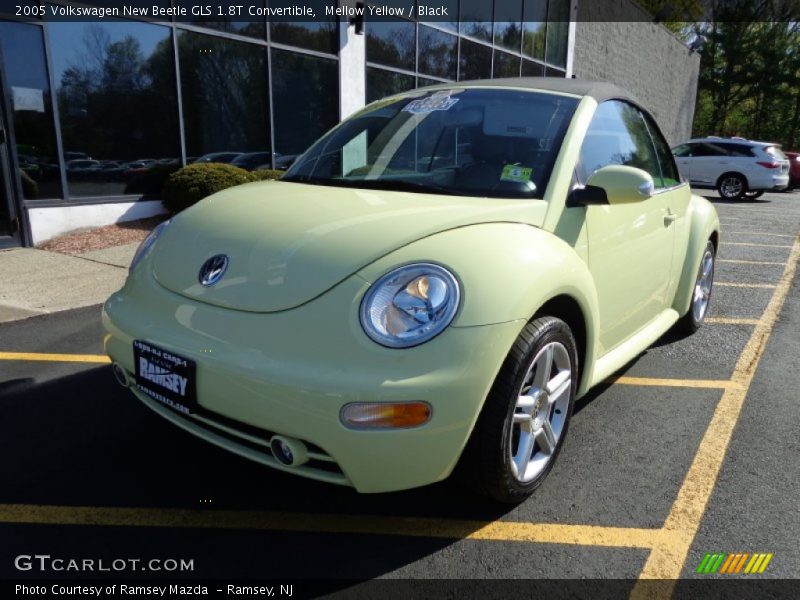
{"type": "Point", "coordinates": [754, 195]}
{"type": "Point", "coordinates": [525, 418]}
{"type": "Point", "coordinates": [701, 296]}
{"type": "Point", "coordinates": [732, 186]}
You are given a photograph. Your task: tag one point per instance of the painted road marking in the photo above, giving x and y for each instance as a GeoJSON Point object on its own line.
{"type": "Point", "coordinates": [749, 262]}
{"type": "Point", "coordinates": [731, 321]}
{"type": "Point", "coordinates": [501, 531]}
{"type": "Point", "coordinates": [39, 356]}
{"type": "Point", "coordinates": [757, 245]}
{"type": "Point", "coordinates": [717, 384]}
{"type": "Point", "coordinates": [669, 554]}
{"type": "Point", "coordinates": [784, 235]}
{"type": "Point", "coordinates": [766, 286]}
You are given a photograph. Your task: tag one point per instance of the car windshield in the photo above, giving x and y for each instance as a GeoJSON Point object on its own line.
{"type": "Point", "coordinates": [472, 142]}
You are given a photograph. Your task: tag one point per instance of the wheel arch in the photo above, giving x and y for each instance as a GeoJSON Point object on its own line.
{"type": "Point", "coordinates": [726, 173]}
{"type": "Point", "coordinates": [569, 310]}
{"type": "Point", "coordinates": [703, 226]}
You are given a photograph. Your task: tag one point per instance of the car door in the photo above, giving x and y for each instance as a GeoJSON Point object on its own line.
{"type": "Point", "coordinates": [683, 158]}
{"type": "Point", "coordinates": [630, 244]}
{"type": "Point", "coordinates": [709, 161]}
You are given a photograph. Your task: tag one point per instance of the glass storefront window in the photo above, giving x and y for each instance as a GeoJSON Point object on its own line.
{"type": "Point", "coordinates": [25, 71]}
{"type": "Point", "coordinates": [392, 44]}
{"type": "Point", "coordinates": [224, 89]}
{"type": "Point", "coordinates": [531, 68]}
{"type": "Point", "coordinates": [508, 26]}
{"type": "Point", "coordinates": [534, 28]}
{"type": "Point", "coordinates": [382, 83]}
{"type": "Point", "coordinates": [437, 53]}
{"type": "Point", "coordinates": [305, 95]}
{"type": "Point", "coordinates": [505, 65]}
{"type": "Point", "coordinates": [476, 61]}
{"type": "Point", "coordinates": [476, 19]}
{"type": "Point", "coordinates": [117, 102]}
{"type": "Point", "coordinates": [321, 34]}
{"type": "Point", "coordinates": [557, 32]}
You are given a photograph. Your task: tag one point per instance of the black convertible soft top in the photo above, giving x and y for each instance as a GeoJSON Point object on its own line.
{"type": "Point", "coordinates": [599, 90]}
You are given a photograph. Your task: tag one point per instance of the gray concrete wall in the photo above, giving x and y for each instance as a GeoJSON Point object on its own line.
{"type": "Point", "coordinates": [641, 56]}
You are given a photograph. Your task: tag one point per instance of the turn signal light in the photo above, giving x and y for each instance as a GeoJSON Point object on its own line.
{"type": "Point", "coordinates": [380, 415]}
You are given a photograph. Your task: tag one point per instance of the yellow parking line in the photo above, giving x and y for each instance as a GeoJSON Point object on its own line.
{"type": "Point", "coordinates": [39, 356]}
{"type": "Point", "coordinates": [671, 549]}
{"type": "Point", "coordinates": [757, 245]}
{"type": "Point", "coordinates": [749, 262]}
{"type": "Point", "coordinates": [501, 531]}
{"type": "Point", "coordinates": [766, 286]}
{"type": "Point", "coordinates": [716, 384]}
{"type": "Point", "coordinates": [731, 321]}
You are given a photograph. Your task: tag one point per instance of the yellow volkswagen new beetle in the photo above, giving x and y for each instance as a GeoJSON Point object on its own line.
{"type": "Point", "coordinates": [428, 288]}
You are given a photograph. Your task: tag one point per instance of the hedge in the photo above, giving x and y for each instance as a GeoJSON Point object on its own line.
{"type": "Point", "coordinates": [192, 183]}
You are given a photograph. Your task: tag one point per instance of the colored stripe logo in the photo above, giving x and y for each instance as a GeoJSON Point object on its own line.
{"type": "Point", "coordinates": [734, 564]}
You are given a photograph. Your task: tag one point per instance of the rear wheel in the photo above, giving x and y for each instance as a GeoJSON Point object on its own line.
{"type": "Point", "coordinates": [701, 296]}
{"type": "Point", "coordinates": [732, 186]}
{"type": "Point", "coordinates": [524, 421]}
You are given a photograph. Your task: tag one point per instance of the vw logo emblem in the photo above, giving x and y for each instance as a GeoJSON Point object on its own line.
{"type": "Point", "coordinates": [213, 270]}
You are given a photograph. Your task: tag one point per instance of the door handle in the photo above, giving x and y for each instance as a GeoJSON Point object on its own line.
{"type": "Point", "coordinates": [669, 218]}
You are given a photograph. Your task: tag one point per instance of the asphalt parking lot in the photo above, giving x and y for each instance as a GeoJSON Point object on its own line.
{"type": "Point", "coordinates": [692, 449]}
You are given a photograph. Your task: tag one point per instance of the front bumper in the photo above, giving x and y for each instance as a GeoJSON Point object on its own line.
{"type": "Point", "coordinates": [291, 372]}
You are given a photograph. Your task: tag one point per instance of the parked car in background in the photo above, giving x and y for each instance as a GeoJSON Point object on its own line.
{"type": "Point", "coordinates": [217, 157]}
{"type": "Point", "coordinates": [794, 169]}
{"type": "Point", "coordinates": [262, 160]}
{"type": "Point", "coordinates": [374, 319]}
{"type": "Point", "coordinates": [735, 167]}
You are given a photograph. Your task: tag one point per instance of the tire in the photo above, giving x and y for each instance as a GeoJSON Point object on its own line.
{"type": "Point", "coordinates": [732, 186]}
{"type": "Point", "coordinates": [754, 195]}
{"type": "Point", "coordinates": [701, 296]}
{"type": "Point", "coordinates": [500, 440]}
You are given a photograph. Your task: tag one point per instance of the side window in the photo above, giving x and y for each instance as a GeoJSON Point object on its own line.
{"type": "Point", "coordinates": [682, 151]}
{"type": "Point", "coordinates": [708, 150]}
{"type": "Point", "coordinates": [737, 150]}
{"type": "Point", "coordinates": [669, 171]}
{"type": "Point", "coordinates": [618, 136]}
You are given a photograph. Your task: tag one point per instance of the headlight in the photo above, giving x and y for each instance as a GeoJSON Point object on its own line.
{"type": "Point", "coordinates": [147, 243]}
{"type": "Point", "coordinates": [410, 305]}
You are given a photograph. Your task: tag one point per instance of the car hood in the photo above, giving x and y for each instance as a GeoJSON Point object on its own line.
{"type": "Point", "coordinates": [287, 243]}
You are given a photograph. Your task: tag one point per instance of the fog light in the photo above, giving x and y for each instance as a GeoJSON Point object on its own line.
{"type": "Point", "coordinates": [380, 415]}
{"type": "Point", "coordinates": [288, 451]}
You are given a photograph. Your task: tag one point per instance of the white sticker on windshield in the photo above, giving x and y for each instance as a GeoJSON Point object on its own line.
{"type": "Point", "coordinates": [437, 101]}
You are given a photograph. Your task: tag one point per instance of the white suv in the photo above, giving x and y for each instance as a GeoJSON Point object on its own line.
{"type": "Point", "coordinates": [735, 167]}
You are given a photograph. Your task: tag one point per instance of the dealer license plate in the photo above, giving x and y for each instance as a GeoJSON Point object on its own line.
{"type": "Point", "coordinates": [165, 376]}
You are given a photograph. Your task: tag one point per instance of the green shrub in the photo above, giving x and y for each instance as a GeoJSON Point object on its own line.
{"type": "Point", "coordinates": [150, 181]}
{"type": "Point", "coordinates": [266, 174]}
{"type": "Point", "coordinates": [30, 189]}
{"type": "Point", "coordinates": [194, 182]}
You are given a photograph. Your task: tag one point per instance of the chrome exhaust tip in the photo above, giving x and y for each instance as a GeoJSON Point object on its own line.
{"type": "Point", "coordinates": [288, 451]}
{"type": "Point", "coordinates": [120, 375]}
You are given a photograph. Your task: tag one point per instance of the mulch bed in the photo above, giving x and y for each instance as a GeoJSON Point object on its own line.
{"type": "Point", "coordinates": [99, 238]}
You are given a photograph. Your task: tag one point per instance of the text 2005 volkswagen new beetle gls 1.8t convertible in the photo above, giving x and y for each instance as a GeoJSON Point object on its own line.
{"type": "Point", "coordinates": [429, 287]}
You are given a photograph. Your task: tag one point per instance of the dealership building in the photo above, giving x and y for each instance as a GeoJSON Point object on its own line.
{"type": "Point", "coordinates": [91, 110]}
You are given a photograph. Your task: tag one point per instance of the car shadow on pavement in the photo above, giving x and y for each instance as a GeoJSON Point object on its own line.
{"type": "Point", "coordinates": [82, 440]}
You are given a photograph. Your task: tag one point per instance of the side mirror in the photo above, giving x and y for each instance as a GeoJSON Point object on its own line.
{"type": "Point", "coordinates": [614, 184]}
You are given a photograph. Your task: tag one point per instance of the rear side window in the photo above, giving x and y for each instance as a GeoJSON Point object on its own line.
{"type": "Point", "coordinates": [705, 149]}
{"type": "Point", "coordinates": [737, 150]}
{"type": "Point", "coordinates": [618, 136]}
